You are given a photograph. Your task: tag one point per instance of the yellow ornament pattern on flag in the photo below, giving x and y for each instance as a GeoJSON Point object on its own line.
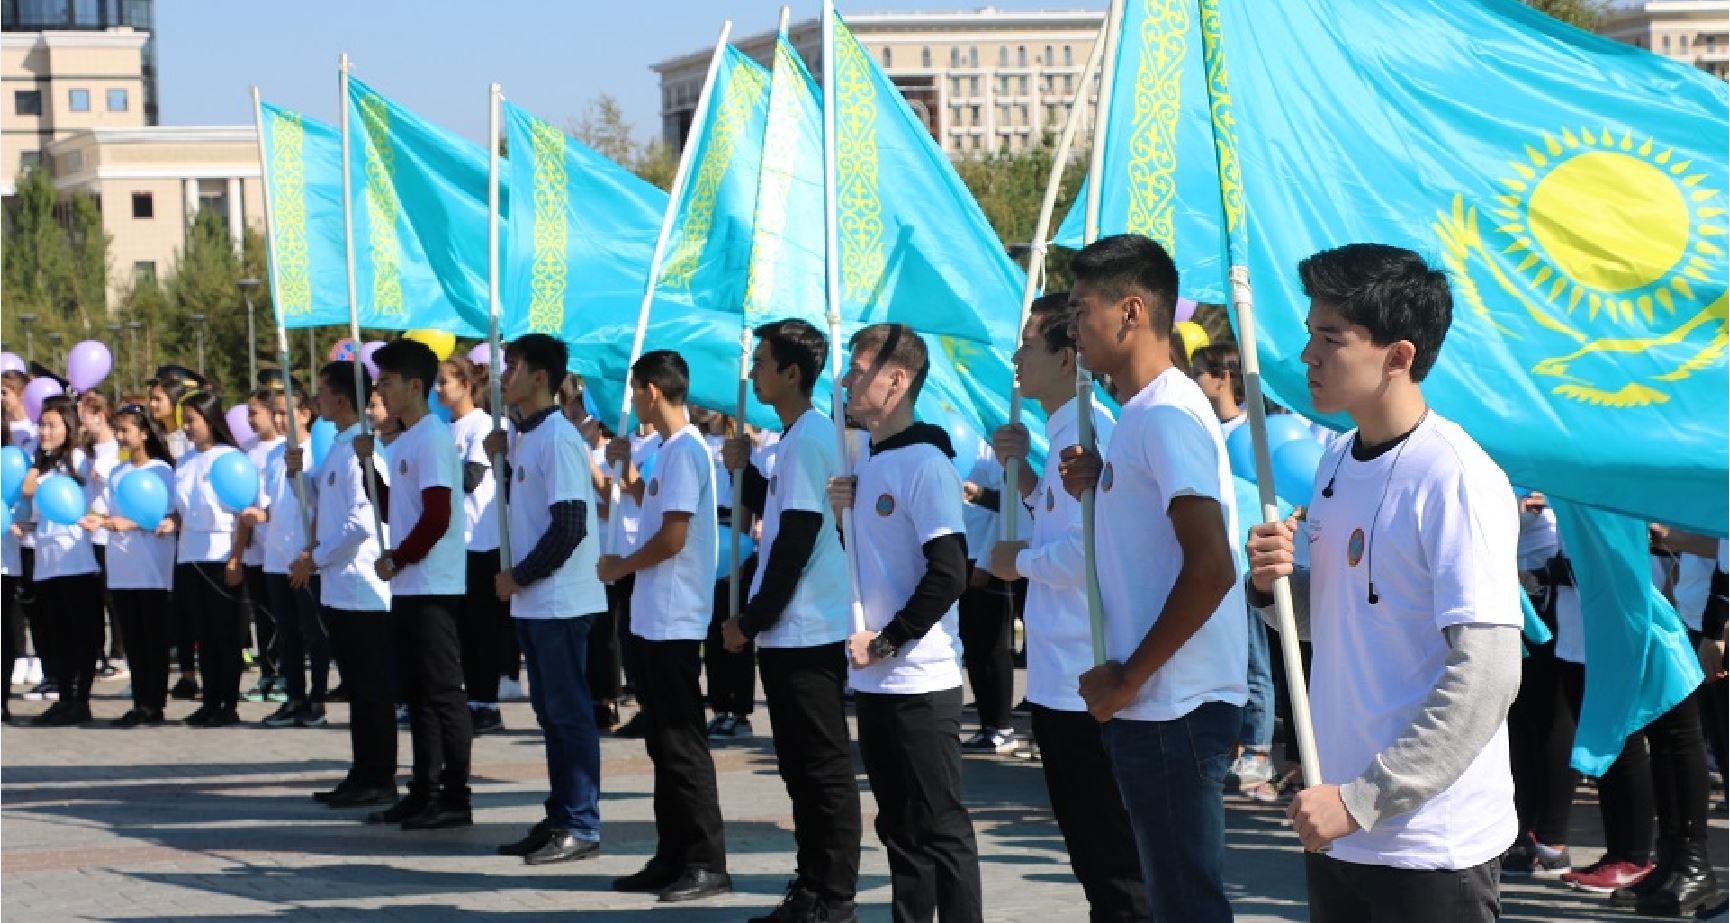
{"type": "Point", "coordinates": [744, 92]}
{"type": "Point", "coordinates": [293, 277]}
{"type": "Point", "coordinates": [859, 210]}
{"type": "Point", "coordinates": [1224, 123]}
{"type": "Point", "coordinates": [382, 208]}
{"type": "Point", "coordinates": [552, 203]}
{"type": "Point", "coordinates": [1158, 101]}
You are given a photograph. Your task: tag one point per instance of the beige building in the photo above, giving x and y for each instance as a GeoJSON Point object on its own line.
{"type": "Point", "coordinates": [57, 83]}
{"type": "Point", "coordinates": [1695, 32]}
{"type": "Point", "coordinates": [983, 81]}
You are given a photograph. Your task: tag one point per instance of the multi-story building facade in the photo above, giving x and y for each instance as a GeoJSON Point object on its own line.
{"type": "Point", "coordinates": [983, 81]}
{"type": "Point", "coordinates": [1695, 32]}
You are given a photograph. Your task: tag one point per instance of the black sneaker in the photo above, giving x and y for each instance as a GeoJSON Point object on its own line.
{"type": "Point", "coordinates": [796, 907]}
{"type": "Point", "coordinates": [633, 729]}
{"type": "Point", "coordinates": [49, 716]}
{"type": "Point", "coordinates": [199, 715]}
{"type": "Point", "coordinates": [310, 715]}
{"type": "Point", "coordinates": [221, 717]}
{"type": "Point", "coordinates": [438, 816]}
{"type": "Point", "coordinates": [401, 811]}
{"type": "Point", "coordinates": [487, 719]}
{"type": "Point", "coordinates": [339, 694]}
{"type": "Point", "coordinates": [133, 718]}
{"type": "Point", "coordinates": [283, 717]}
{"type": "Point", "coordinates": [73, 713]}
{"type": "Point", "coordinates": [186, 689]}
{"type": "Point", "coordinates": [721, 726]}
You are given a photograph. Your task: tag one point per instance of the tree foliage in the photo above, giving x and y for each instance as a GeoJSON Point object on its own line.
{"type": "Point", "coordinates": [1584, 14]}
{"type": "Point", "coordinates": [603, 128]}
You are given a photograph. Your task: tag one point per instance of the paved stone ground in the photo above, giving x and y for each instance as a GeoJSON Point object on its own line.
{"type": "Point", "coordinates": [178, 823]}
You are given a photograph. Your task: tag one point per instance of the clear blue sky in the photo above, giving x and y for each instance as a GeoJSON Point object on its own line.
{"type": "Point", "coordinates": [437, 56]}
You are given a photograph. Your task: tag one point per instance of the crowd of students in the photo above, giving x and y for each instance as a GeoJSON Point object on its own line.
{"type": "Point", "coordinates": [1443, 751]}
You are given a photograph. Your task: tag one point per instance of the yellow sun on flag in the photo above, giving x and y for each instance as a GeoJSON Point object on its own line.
{"type": "Point", "coordinates": [1616, 223]}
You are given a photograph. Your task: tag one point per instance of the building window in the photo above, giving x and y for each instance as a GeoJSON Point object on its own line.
{"type": "Point", "coordinates": [29, 160]}
{"type": "Point", "coordinates": [1050, 58]}
{"type": "Point", "coordinates": [1068, 56]}
{"type": "Point", "coordinates": [1666, 44]}
{"type": "Point", "coordinates": [117, 99]}
{"type": "Point", "coordinates": [888, 60]}
{"type": "Point", "coordinates": [1069, 83]}
{"type": "Point", "coordinates": [954, 57]}
{"type": "Point", "coordinates": [78, 100]}
{"type": "Point", "coordinates": [975, 86]}
{"type": "Point", "coordinates": [1021, 55]}
{"type": "Point", "coordinates": [1711, 42]}
{"type": "Point", "coordinates": [1023, 84]}
{"type": "Point", "coordinates": [143, 205]}
{"type": "Point", "coordinates": [925, 57]}
{"type": "Point", "coordinates": [1003, 56]}
{"type": "Point", "coordinates": [1682, 42]}
{"type": "Point", "coordinates": [144, 272]}
{"type": "Point", "coordinates": [27, 102]}
{"type": "Point", "coordinates": [972, 57]}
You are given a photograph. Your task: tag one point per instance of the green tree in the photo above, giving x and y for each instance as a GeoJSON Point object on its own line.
{"type": "Point", "coordinates": [1009, 188]}
{"type": "Point", "coordinates": [53, 268]}
{"type": "Point", "coordinates": [603, 128]}
{"type": "Point", "coordinates": [87, 246]}
{"type": "Point", "coordinates": [1584, 14]}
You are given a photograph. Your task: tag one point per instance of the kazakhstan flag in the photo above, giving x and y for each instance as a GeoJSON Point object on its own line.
{"type": "Point", "coordinates": [308, 269]}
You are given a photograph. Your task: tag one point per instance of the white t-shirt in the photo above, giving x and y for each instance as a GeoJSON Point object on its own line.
{"type": "Point", "coordinates": [804, 461]}
{"type": "Point", "coordinates": [1539, 540]}
{"type": "Point", "coordinates": [347, 548]}
{"type": "Point", "coordinates": [1166, 445]}
{"type": "Point", "coordinates": [673, 600]}
{"type": "Point", "coordinates": [1059, 638]}
{"type": "Point", "coordinates": [548, 466]}
{"type": "Point", "coordinates": [138, 559]}
{"type": "Point", "coordinates": [631, 534]}
{"type": "Point", "coordinates": [25, 436]}
{"type": "Point", "coordinates": [982, 520]}
{"type": "Point", "coordinates": [260, 454]}
{"type": "Point", "coordinates": [480, 512]}
{"type": "Point", "coordinates": [1441, 551]}
{"type": "Point", "coordinates": [206, 526]}
{"type": "Point", "coordinates": [284, 533]}
{"type": "Point", "coordinates": [424, 456]}
{"type": "Point", "coordinates": [723, 477]}
{"type": "Point", "coordinates": [63, 551]}
{"type": "Point", "coordinates": [905, 497]}
{"type": "Point", "coordinates": [1693, 588]}
{"type": "Point", "coordinates": [104, 456]}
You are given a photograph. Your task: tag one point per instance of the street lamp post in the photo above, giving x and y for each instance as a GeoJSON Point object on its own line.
{"type": "Point", "coordinates": [198, 327]}
{"type": "Point", "coordinates": [114, 368]}
{"type": "Point", "coordinates": [246, 288]}
{"type": "Point", "coordinates": [54, 341]}
{"type": "Point", "coordinates": [132, 328]}
{"type": "Point", "coordinates": [29, 336]}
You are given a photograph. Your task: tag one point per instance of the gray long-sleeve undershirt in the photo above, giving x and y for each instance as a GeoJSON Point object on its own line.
{"type": "Point", "coordinates": [1458, 719]}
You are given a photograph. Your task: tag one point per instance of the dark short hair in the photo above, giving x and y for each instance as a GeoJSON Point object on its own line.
{"type": "Point", "coordinates": [338, 376]}
{"type": "Point", "coordinates": [795, 342]}
{"type": "Point", "coordinates": [895, 344]}
{"type": "Point", "coordinates": [1052, 313]}
{"type": "Point", "coordinates": [1389, 291]}
{"type": "Point", "coordinates": [410, 359]}
{"type": "Point", "coordinates": [540, 353]}
{"type": "Point", "coordinates": [667, 371]}
{"type": "Point", "coordinates": [1220, 359]}
{"type": "Point", "coordinates": [1130, 264]}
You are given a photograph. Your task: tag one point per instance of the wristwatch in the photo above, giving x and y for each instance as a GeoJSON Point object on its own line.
{"type": "Point", "coordinates": [882, 648]}
{"type": "Point", "coordinates": [389, 562]}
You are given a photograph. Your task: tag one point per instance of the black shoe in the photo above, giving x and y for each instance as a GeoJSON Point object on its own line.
{"type": "Point", "coordinates": [283, 716]}
{"type": "Point", "coordinates": [186, 689]}
{"type": "Point", "coordinates": [563, 846]}
{"type": "Point", "coordinates": [325, 796]}
{"type": "Point", "coordinates": [487, 719]}
{"type": "Point", "coordinates": [536, 838]}
{"type": "Point", "coordinates": [72, 714]}
{"type": "Point", "coordinates": [606, 714]}
{"type": "Point", "coordinates": [695, 884]}
{"type": "Point", "coordinates": [339, 694]}
{"type": "Point", "coordinates": [401, 811]}
{"type": "Point", "coordinates": [651, 879]}
{"type": "Point", "coordinates": [132, 718]}
{"type": "Point", "coordinates": [221, 717]}
{"type": "Point", "coordinates": [311, 715]}
{"type": "Point", "coordinates": [440, 817]}
{"type": "Point", "coordinates": [50, 715]}
{"type": "Point", "coordinates": [1692, 885]}
{"type": "Point", "coordinates": [199, 715]}
{"type": "Point", "coordinates": [796, 907]}
{"type": "Point", "coordinates": [829, 911]}
{"type": "Point", "coordinates": [361, 796]}
{"type": "Point", "coordinates": [632, 729]}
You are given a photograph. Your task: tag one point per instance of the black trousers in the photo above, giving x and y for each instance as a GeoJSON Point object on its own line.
{"type": "Point", "coordinates": [220, 619]}
{"type": "Point", "coordinates": [186, 600]}
{"type": "Point", "coordinates": [912, 755]}
{"type": "Point", "coordinates": [687, 803]}
{"type": "Point", "coordinates": [987, 622]}
{"type": "Point", "coordinates": [72, 607]}
{"type": "Point", "coordinates": [1541, 738]}
{"type": "Point", "coordinates": [603, 654]}
{"type": "Point", "coordinates": [485, 622]}
{"type": "Point", "coordinates": [1341, 892]}
{"type": "Point", "coordinates": [1282, 690]}
{"type": "Point", "coordinates": [732, 677]}
{"type": "Point", "coordinates": [1680, 788]}
{"type": "Point", "coordinates": [11, 632]}
{"type": "Point", "coordinates": [803, 687]}
{"type": "Point", "coordinates": [430, 671]}
{"type": "Point", "coordinates": [145, 618]}
{"type": "Point", "coordinates": [363, 644]}
{"type": "Point", "coordinates": [1089, 811]}
{"type": "Point", "coordinates": [300, 638]}
{"type": "Point", "coordinates": [263, 619]}
{"type": "Point", "coordinates": [619, 604]}
{"type": "Point", "coordinates": [1625, 791]}
{"type": "Point", "coordinates": [115, 649]}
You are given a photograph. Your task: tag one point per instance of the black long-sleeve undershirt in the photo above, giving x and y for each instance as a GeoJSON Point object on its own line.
{"type": "Point", "coordinates": [794, 543]}
{"type": "Point", "coordinates": [944, 581]}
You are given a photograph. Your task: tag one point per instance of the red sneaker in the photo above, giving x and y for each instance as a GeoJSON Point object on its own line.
{"type": "Point", "coordinates": [1605, 876]}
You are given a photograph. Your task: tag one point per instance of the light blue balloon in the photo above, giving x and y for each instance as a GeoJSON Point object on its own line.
{"type": "Point", "coordinates": [1240, 452]}
{"type": "Point", "coordinates": [142, 497]}
{"type": "Point", "coordinates": [1294, 469]}
{"type": "Point", "coordinates": [60, 500]}
{"type": "Point", "coordinates": [724, 560]}
{"type": "Point", "coordinates": [1249, 504]}
{"type": "Point", "coordinates": [323, 434]}
{"type": "Point", "coordinates": [1281, 429]}
{"type": "Point", "coordinates": [1286, 427]}
{"type": "Point", "coordinates": [234, 480]}
{"type": "Point", "coordinates": [965, 441]}
{"type": "Point", "coordinates": [14, 464]}
{"type": "Point", "coordinates": [439, 410]}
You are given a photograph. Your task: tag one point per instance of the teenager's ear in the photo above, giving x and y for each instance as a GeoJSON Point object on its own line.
{"type": "Point", "coordinates": [1401, 356]}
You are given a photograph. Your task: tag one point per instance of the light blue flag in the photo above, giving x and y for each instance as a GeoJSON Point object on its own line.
{"type": "Point", "coordinates": [786, 272]}
{"type": "Point", "coordinates": [1639, 661]}
{"type": "Point", "coordinates": [303, 168]}
{"type": "Point", "coordinates": [1572, 186]}
{"type": "Point", "coordinates": [420, 219]}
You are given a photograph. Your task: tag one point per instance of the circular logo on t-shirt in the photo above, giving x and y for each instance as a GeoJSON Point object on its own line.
{"type": "Point", "coordinates": [1355, 548]}
{"type": "Point", "coordinates": [402, 467]}
{"type": "Point", "coordinates": [885, 505]}
{"type": "Point", "coordinates": [1105, 478]}
{"type": "Point", "coordinates": [331, 480]}
{"type": "Point", "coordinates": [522, 473]}
{"type": "Point", "coordinates": [654, 487]}
{"type": "Point", "coordinates": [1050, 499]}
{"type": "Point", "coordinates": [774, 481]}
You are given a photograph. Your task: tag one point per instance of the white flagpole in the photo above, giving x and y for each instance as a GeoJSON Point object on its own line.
{"type": "Point", "coordinates": [354, 300]}
{"type": "Point", "coordinates": [615, 523]}
{"type": "Point", "coordinates": [1243, 305]}
{"type": "Point", "coordinates": [295, 437]}
{"type": "Point", "coordinates": [497, 354]}
{"type": "Point", "coordinates": [1084, 378]}
{"type": "Point", "coordinates": [832, 280]}
{"type": "Point", "coordinates": [1030, 288]}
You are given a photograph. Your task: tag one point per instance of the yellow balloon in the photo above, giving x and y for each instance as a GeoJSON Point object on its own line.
{"type": "Point", "coordinates": [441, 343]}
{"type": "Point", "coordinates": [1194, 337]}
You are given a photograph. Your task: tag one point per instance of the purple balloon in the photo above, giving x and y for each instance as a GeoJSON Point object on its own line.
{"type": "Point", "coordinates": [239, 425]}
{"type": "Point", "coordinates": [1185, 310]}
{"type": "Point", "coordinates": [88, 362]}
{"type": "Point", "coordinates": [366, 351]}
{"type": "Point", "coordinates": [482, 354]}
{"type": "Point", "coordinates": [12, 362]}
{"type": "Point", "coordinates": [37, 391]}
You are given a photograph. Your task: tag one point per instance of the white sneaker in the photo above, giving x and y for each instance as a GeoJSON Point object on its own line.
{"type": "Point", "coordinates": [35, 675]}
{"type": "Point", "coordinates": [20, 672]}
{"type": "Point", "coordinates": [1251, 769]}
{"type": "Point", "coordinates": [511, 691]}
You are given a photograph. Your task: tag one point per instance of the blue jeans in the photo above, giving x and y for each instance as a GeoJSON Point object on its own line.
{"type": "Point", "coordinates": [1172, 776]}
{"type": "Point", "coordinates": [1257, 732]}
{"type": "Point", "coordinates": [556, 653]}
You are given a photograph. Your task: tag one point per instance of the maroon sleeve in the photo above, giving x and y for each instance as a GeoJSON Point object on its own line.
{"type": "Point", "coordinates": [435, 518]}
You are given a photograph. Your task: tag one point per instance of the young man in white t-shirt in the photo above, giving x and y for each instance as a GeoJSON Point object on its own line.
{"type": "Point", "coordinates": [797, 615]}
{"type": "Point", "coordinates": [299, 633]}
{"type": "Point", "coordinates": [674, 563]}
{"type": "Point", "coordinates": [426, 568]}
{"type": "Point", "coordinates": [1412, 609]}
{"type": "Point", "coordinates": [553, 593]}
{"type": "Point", "coordinates": [1078, 777]}
{"type": "Point", "coordinates": [1172, 689]}
{"type": "Point", "coordinates": [909, 541]}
